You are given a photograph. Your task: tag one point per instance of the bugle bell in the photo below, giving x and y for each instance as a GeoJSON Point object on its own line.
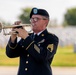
{"type": "Point", "coordinates": [3, 27]}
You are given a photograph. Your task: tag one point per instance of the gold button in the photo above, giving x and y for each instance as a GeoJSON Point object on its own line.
{"type": "Point", "coordinates": [26, 69]}
{"type": "Point", "coordinates": [26, 62]}
{"type": "Point", "coordinates": [27, 55]}
{"type": "Point", "coordinates": [42, 35]}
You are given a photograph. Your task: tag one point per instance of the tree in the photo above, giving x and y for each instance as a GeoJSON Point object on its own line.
{"type": "Point", "coordinates": [70, 17]}
{"type": "Point", "coordinates": [25, 16]}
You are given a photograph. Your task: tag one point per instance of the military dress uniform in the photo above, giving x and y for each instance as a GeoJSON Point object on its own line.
{"type": "Point", "coordinates": [36, 53]}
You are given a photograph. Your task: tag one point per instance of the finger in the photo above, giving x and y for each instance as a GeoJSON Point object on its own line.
{"type": "Point", "coordinates": [17, 22]}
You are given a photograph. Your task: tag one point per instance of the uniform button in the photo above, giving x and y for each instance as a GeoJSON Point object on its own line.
{"type": "Point", "coordinates": [26, 69]}
{"type": "Point", "coordinates": [38, 44]}
{"type": "Point", "coordinates": [22, 46]}
{"type": "Point", "coordinates": [26, 62]}
{"type": "Point", "coordinates": [27, 55]}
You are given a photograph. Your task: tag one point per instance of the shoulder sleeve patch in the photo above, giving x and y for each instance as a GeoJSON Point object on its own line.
{"type": "Point", "coordinates": [50, 47]}
{"type": "Point", "coordinates": [51, 33]}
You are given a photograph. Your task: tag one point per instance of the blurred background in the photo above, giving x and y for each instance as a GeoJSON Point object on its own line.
{"type": "Point", "coordinates": [62, 23]}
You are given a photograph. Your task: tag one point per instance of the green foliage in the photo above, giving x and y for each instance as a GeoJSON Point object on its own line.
{"type": "Point", "coordinates": [70, 17]}
{"type": "Point", "coordinates": [25, 16]}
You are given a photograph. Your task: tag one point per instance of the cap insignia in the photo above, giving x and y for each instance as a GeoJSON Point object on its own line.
{"type": "Point", "coordinates": [35, 11]}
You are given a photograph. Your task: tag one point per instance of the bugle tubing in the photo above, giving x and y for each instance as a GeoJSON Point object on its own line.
{"type": "Point", "coordinates": [13, 26]}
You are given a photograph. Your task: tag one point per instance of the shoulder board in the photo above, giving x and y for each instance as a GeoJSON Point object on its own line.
{"type": "Point", "coordinates": [51, 33]}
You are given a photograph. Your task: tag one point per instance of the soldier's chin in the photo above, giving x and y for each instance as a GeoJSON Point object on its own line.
{"type": "Point", "coordinates": [34, 29]}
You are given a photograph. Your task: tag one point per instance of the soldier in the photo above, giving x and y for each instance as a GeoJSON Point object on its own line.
{"type": "Point", "coordinates": [35, 50]}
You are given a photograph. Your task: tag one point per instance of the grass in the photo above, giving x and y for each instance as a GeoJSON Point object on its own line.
{"type": "Point", "coordinates": [64, 57]}
{"type": "Point", "coordinates": [5, 61]}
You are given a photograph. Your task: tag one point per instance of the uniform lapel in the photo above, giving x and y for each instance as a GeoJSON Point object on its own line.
{"type": "Point", "coordinates": [40, 38]}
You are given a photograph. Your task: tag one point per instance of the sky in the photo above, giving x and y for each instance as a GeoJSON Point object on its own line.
{"type": "Point", "coordinates": [11, 9]}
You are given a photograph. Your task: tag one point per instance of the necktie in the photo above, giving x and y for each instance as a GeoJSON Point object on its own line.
{"type": "Point", "coordinates": [35, 37]}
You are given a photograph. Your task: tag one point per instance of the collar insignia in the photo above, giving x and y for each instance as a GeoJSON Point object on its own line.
{"type": "Point", "coordinates": [42, 35]}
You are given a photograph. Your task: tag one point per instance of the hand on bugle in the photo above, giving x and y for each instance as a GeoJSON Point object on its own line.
{"type": "Point", "coordinates": [18, 31]}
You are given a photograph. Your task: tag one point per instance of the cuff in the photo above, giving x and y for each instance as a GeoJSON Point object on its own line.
{"type": "Point", "coordinates": [12, 45]}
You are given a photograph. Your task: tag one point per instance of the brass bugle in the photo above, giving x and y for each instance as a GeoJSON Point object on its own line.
{"type": "Point", "coordinates": [12, 26]}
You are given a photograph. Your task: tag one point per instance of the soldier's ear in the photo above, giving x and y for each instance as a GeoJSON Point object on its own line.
{"type": "Point", "coordinates": [46, 22]}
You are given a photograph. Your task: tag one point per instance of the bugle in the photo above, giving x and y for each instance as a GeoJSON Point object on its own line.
{"type": "Point", "coordinates": [13, 26]}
